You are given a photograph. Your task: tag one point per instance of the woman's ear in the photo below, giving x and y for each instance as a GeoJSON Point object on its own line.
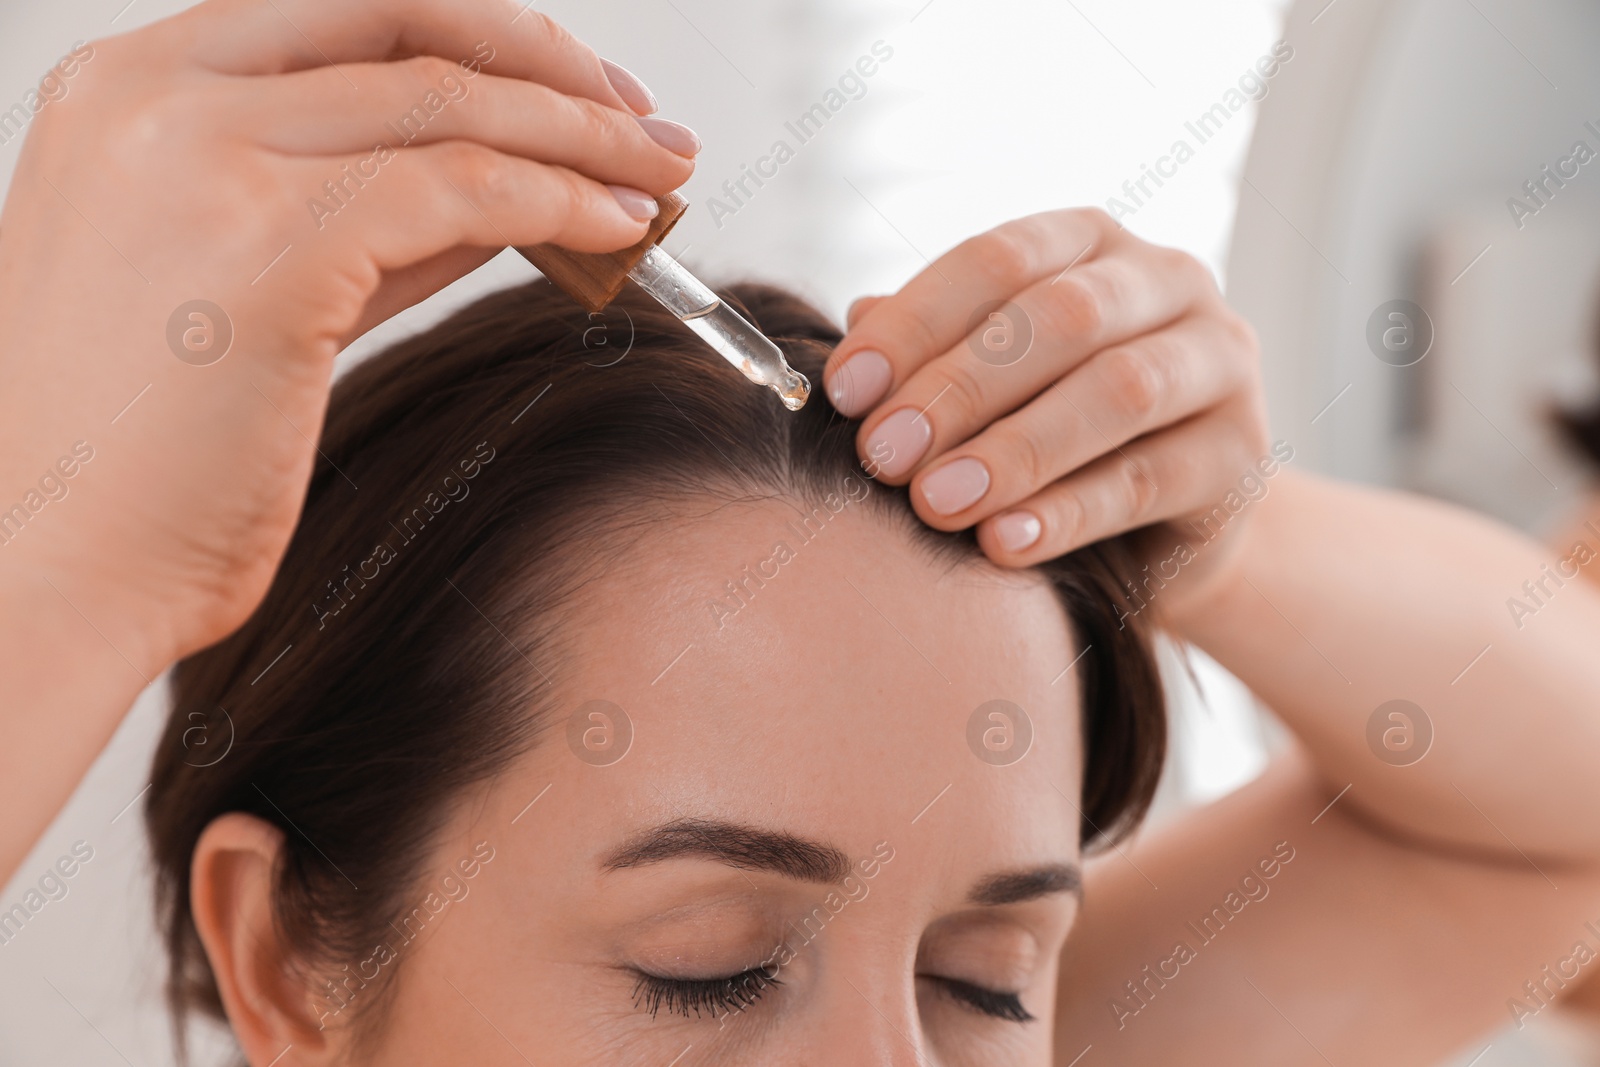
{"type": "Point", "coordinates": [230, 884]}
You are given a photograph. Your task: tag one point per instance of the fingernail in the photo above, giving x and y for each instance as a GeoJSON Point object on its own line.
{"type": "Point", "coordinates": [956, 486]}
{"type": "Point", "coordinates": [673, 136]}
{"type": "Point", "coordinates": [629, 87]}
{"type": "Point", "coordinates": [1016, 530]}
{"type": "Point", "coordinates": [860, 382]}
{"type": "Point", "coordinates": [899, 441]}
{"type": "Point", "coordinates": [640, 205]}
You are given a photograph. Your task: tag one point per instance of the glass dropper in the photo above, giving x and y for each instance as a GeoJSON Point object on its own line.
{"type": "Point", "coordinates": [721, 327]}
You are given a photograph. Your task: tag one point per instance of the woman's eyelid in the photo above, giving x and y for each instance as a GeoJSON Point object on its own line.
{"type": "Point", "coordinates": [988, 951]}
{"type": "Point", "coordinates": [945, 979]}
{"type": "Point", "coordinates": [722, 975]}
{"type": "Point", "coordinates": [994, 1003]}
{"type": "Point", "coordinates": [731, 965]}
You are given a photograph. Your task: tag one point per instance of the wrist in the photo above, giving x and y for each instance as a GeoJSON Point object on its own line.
{"type": "Point", "coordinates": [66, 688]}
{"type": "Point", "coordinates": [56, 616]}
{"type": "Point", "coordinates": [1185, 574]}
{"type": "Point", "coordinates": [1207, 552]}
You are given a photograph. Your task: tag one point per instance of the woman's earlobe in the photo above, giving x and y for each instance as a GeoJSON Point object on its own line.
{"type": "Point", "coordinates": [230, 882]}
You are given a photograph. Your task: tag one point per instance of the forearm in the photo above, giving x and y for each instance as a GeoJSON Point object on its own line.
{"type": "Point", "coordinates": [65, 689]}
{"type": "Point", "coordinates": [1346, 599]}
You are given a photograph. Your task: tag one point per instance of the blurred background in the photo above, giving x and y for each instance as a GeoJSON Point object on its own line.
{"type": "Point", "coordinates": [1378, 163]}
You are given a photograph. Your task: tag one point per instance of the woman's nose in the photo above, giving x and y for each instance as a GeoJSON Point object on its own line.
{"type": "Point", "coordinates": [870, 1021]}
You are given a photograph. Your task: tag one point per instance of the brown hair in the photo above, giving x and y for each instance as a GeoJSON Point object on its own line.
{"type": "Point", "coordinates": [392, 663]}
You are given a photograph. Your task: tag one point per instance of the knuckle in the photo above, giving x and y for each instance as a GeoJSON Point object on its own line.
{"type": "Point", "coordinates": [428, 71]}
{"type": "Point", "coordinates": [150, 123]}
{"type": "Point", "coordinates": [479, 172]}
{"type": "Point", "coordinates": [1075, 308]}
{"type": "Point", "coordinates": [1134, 382]}
{"type": "Point", "coordinates": [1002, 254]}
{"type": "Point", "coordinates": [1097, 217]}
{"type": "Point", "coordinates": [550, 33]}
{"type": "Point", "coordinates": [1136, 488]}
{"type": "Point", "coordinates": [908, 326]}
{"type": "Point", "coordinates": [1189, 268]}
{"type": "Point", "coordinates": [593, 123]}
{"type": "Point", "coordinates": [1065, 520]}
{"type": "Point", "coordinates": [961, 396]}
{"type": "Point", "coordinates": [567, 194]}
{"type": "Point", "coordinates": [1025, 459]}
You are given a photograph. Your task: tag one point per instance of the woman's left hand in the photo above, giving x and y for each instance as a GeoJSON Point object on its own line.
{"type": "Point", "coordinates": [1054, 381]}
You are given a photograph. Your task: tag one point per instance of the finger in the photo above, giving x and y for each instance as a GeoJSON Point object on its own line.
{"type": "Point", "coordinates": [428, 200]}
{"type": "Point", "coordinates": [933, 311]}
{"type": "Point", "coordinates": [859, 307]}
{"type": "Point", "coordinates": [1048, 329]}
{"type": "Point", "coordinates": [426, 100]}
{"type": "Point", "coordinates": [1149, 480]}
{"type": "Point", "coordinates": [403, 288]}
{"type": "Point", "coordinates": [274, 36]}
{"type": "Point", "coordinates": [1120, 393]}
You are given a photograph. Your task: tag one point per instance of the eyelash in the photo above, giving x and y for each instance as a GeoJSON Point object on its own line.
{"type": "Point", "coordinates": [714, 996]}
{"type": "Point", "coordinates": [723, 996]}
{"type": "Point", "coordinates": [1006, 1006]}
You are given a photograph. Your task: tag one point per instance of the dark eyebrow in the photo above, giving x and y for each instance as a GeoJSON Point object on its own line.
{"type": "Point", "coordinates": [745, 847]}
{"type": "Point", "coordinates": [1017, 886]}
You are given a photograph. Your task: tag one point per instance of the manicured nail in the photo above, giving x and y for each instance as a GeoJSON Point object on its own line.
{"type": "Point", "coordinates": [640, 205]}
{"type": "Point", "coordinates": [673, 136]}
{"type": "Point", "coordinates": [629, 87]}
{"type": "Point", "coordinates": [899, 441]}
{"type": "Point", "coordinates": [860, 382]}
{"type": "Point", "coordinates": [956, 486]}
{"type": "Point", "coordinates": [1016, 530]}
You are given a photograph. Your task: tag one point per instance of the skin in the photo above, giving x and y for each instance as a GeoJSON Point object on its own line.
{"type": "Point", "coordinates": [1582, 528]}
{"type": "Point", "coordinates": [1418, 900]}
{"type": "Point", "coordinates": [1585, 998]}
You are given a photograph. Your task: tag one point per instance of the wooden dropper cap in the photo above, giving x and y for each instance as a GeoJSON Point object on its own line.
{"type": "Point", "coordinates": [595, 278]}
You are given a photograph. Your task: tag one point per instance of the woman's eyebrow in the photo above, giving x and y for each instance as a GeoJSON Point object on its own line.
{"type": "Point", "coordinates": [1014, 887]}
{"type": "Point", "coordinates": [736, 845]}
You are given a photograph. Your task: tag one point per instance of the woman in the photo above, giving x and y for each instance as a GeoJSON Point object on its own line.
{"type": "Point", "coordinates": [607, 808]}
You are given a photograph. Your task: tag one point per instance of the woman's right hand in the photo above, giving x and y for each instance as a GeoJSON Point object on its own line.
{"type": "Point", "coordinates": [184, 164]}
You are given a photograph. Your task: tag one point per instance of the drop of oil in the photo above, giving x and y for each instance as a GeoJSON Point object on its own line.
{"type": "Point", "coordinates": [748, 349]}
{"type": "Point", "coordinates": [795, 391]}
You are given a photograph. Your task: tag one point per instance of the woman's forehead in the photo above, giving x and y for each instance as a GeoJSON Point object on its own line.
{"type": "Point", "coordinates": [767, 600]}
{"type": "Point", "coordinates": [765, 665]}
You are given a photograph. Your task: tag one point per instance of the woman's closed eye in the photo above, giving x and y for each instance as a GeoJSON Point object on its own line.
{"type": "Point", "coordinates": [715, 997]}
{"type": "Point", "coordinates": [711, 996]}
{"type": "Point", "coordinates": [991, 1002]}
